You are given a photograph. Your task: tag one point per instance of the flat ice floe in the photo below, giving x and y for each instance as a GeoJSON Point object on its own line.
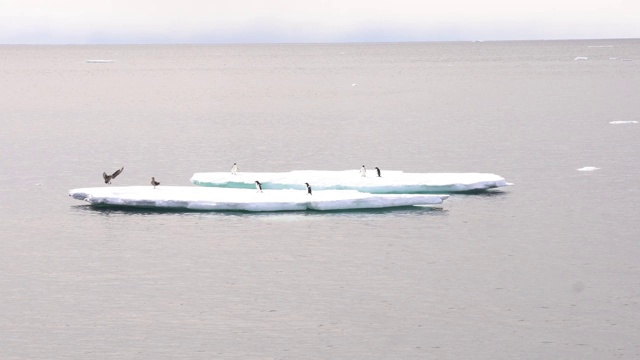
{"type": "Point", "coordinates": [391, 182]}
{"type": "Point", "coordinates": [623, 122]}
{"type": "Point", "coordinates": [588, 168]}
{"type": "Point", "coordinates": [212, 199]}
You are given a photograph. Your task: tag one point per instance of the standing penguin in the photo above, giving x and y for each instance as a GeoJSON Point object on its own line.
{"type": "Point", "coordinates": [363, 171]}
{"type": "Point", "coordinates": [234, 169]}
{"type": "Point", "coordinates": [258, 186]}
{"type": "Point", "coordinates": [154, 182]}
{"type": "Point", "coordinates": [308, 188]}
{"type": "Point", "coordinates": [378, 170]}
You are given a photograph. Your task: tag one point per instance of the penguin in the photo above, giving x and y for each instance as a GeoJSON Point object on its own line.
{"type": "Point", "coordinates": [234, 169]}
{"type": "Point", "coordinates": [378, 170]}
{"type": "Point", "coordinates": [308, 188]}
{"type": "Point", "coordinates": [108, 178]}
{"type": "Point", "coordinates": [154, 182]}
{"type": "Point", "coordinates": [363, 171]}
{"type": "Point", "coordinates": [258, 186]}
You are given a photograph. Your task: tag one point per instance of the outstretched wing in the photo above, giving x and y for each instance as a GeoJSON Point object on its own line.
{"type": "Point", "coordinates": [117, 173]}
{"type": "Point", "coordinates": [104, 176]}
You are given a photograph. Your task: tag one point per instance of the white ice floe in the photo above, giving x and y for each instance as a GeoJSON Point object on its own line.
{"type": "Point", "coordinates": [588, 168]}
{"type": "Point", "coordinates": [211, 199]}
{"type": "Point", "coordinates": [391, 182]}
{"type": "Point", "coordinates": [581, 58]}
{"type": "Point", "coordinates": [623, 122]}
{"type": "Point", "coordinates": [98, 61]}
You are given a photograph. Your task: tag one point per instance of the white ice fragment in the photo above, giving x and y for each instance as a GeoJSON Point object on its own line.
{"type": "Point", "coordinates": [581, 58]}
{"type": "Point", "coordinates": [588, 168]}
{"type": "Point", "coordinates": [623, 122]}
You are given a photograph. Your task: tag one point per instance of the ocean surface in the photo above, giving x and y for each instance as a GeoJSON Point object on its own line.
{"type": "Point", "coordinates": [546, 269]}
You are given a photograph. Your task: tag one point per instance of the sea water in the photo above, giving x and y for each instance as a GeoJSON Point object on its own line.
{"type": "Point", "coordinates": [547, 268]}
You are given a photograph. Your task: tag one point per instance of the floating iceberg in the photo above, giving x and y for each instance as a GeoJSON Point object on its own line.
{"type": "Point", "coordinates": [391, 182]}
{"type": "Point", "coordinates": [208, 199]}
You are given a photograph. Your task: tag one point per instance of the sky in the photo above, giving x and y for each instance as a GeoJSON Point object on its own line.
{"type": "Point", "coordinates": [322, 21]}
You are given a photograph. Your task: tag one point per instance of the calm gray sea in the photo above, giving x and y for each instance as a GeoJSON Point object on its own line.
{"type": "Point", "coordinates": [546, 269]}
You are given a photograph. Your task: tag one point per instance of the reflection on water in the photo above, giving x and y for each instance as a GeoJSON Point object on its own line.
{"type": "Point", "coordinates": [483, 193]}
{"type": "Point", "coordinates": [491, 195]}
{"type": "Point", "coordinates": [110, 210]}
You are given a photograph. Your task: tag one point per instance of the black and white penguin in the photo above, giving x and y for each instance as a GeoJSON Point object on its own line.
{"type": "Point", "coordinates": [363, 171]}
{"type": "Point", "coordinates": [108, 178]}
{"type": "Point", "coordinates": [258, 186]}
{"type": "Point", "coordinates": [378, 170]}
{"type": "Point", "coordinates": [234, 169]}
{"type": "Point", "coordinates": [154, 182]}
{"type": "Point", "coordinates": [308, 188]}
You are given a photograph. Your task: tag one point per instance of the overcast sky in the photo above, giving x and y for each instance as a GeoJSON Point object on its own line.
{"type": "Point", "coordinates": [291, 21]}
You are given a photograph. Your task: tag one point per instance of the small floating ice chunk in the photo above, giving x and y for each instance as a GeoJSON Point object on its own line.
{"type": "Point", "coordinates": [588, 168]}
{"type": "Point", "coordinates": [581, 58]}
{"type": "Point", "coordinates": [98, 61]}
{"type": "Point", "coordinates": [623, 122]}
{"type": "Point", "coordinates": [354, 84]}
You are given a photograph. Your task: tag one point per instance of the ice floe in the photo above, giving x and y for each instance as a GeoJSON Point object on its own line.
{"type": "Point", "coordinates": [391, 182]}
{"type": "Point", "coordinates": [588, 168]}
{"type": "Point", "coordinates": [221, 199]}
{"type": "Point", "coordinates": [623, 122]}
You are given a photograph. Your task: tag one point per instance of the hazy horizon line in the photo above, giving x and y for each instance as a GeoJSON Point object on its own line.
{"type": "Point", "coordinates": [268, 33]}
{"type": "Point", "coordinates": [313, 42]}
